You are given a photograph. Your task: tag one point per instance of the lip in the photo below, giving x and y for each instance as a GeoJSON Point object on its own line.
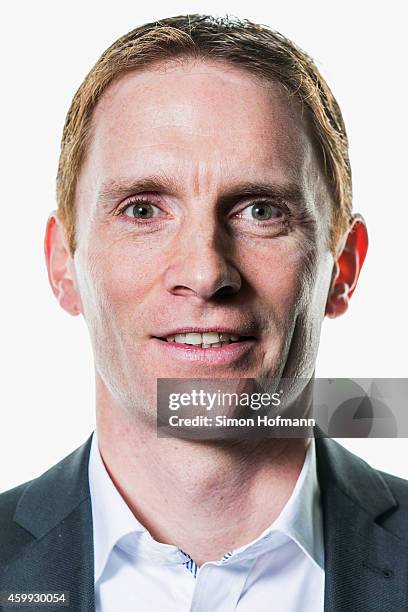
{"type": "Point", "coordinates": [221, 330]}
{"type": "Point", "coordinates": [222, 355]}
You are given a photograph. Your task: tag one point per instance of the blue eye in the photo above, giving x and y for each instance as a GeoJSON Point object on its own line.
{"type": "Point", "coordinates": [262, 211]}
{"type": "Point", "coordinates": [140, 210]}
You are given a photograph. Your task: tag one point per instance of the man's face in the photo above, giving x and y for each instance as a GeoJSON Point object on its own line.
{"type": "Point", "coordinates": [200, 208]}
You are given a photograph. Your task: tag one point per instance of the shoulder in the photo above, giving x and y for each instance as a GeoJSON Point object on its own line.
{"type": "Point", "coordinates": [29, 510]}
{"type": "Point", "coordinates": [398, 520]}
{"type": "Point", "coordinates": [399, 486]}
{"type": "Point", "coordinates": [12, 536]}
{"type": "Point", "coordinates": [380, 495]}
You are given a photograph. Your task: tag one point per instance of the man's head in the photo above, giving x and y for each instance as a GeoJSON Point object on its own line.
{"type": "Point", "coordinates": [204, 185]}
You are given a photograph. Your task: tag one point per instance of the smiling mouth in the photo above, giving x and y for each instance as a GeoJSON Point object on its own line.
{"type": "Point", "coordinates": [206, 339]}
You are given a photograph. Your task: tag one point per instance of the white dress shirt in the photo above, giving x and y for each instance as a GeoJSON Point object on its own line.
{"type": "Point", "coordinates": [282, 570]}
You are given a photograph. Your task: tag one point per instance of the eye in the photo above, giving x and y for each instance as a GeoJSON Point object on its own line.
{"type": "Point", "coordinates": [261, 211]}
{"type": "Point", "coordinates": [141, 210]}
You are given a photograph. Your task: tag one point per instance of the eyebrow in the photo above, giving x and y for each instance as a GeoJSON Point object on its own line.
{"type": "Point", "coordinates": [120, 188]}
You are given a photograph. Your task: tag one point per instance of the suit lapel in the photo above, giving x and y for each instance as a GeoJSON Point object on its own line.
{"type": "Point", "coordinates": [366, 565]}
{"type": "Point", "coordinates": [56, 510]}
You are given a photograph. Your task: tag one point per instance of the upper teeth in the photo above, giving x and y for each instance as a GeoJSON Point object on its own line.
{"type": "Point", "coordinates": [204, 339]}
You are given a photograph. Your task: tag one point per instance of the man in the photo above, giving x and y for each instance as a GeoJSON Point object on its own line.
{"type": "Point", "coordinates": [204, 229]}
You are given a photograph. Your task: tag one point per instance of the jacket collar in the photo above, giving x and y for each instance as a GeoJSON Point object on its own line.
{"type": "Point", "coordinates": [50, 499]}
{"type": "Point", "coordinates": [340, 469]}
{"type": "Point", "coordinates": [365, 565]}
{"type": "Point", "coordinates": [58, 556]}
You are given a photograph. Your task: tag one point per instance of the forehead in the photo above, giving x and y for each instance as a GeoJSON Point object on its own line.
{"type": "Point", "coordinates": [205, 123]}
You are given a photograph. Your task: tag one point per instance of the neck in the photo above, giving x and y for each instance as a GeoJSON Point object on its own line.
{"type": "Point", "coordinates": [205, 498]}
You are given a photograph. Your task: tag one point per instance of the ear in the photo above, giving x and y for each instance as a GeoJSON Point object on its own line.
{"type": "Point", "coordinates": [60, 266]}
{"type": "Point", "coordinates": [347, 266]}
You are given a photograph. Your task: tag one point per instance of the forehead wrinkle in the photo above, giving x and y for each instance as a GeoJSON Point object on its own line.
{"type": "Point", "coordinates": [206, 177]}
{"type": "Point", "coordinates": [201, 173]}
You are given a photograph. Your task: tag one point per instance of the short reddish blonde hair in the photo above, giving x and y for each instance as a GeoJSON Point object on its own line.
{"type": "Point", "coordinates": [256, 48]}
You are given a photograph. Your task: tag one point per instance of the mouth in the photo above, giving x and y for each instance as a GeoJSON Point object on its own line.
{"type": "Point", "coordinates": [206, 347]}
{"type": "Point", "coordinates": [204, 339]}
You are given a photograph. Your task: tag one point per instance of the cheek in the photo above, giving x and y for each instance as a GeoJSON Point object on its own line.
{"type": "Point", "coordinates": [119, 276]}
{"type": "Point", "coordinates": [280, 273]}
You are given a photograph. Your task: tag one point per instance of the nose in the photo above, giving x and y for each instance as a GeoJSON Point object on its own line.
{"type": "Point", "coordinates": [201, 265]}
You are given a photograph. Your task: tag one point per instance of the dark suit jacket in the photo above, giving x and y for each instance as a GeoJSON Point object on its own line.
{"type": "Point", "coordinates": [46, 539]}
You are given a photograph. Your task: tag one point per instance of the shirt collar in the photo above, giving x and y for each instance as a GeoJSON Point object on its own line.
{"type": "Point", "coordinates": [111, 516]}
{"type": "Point", "coordinates": [300, 519]}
